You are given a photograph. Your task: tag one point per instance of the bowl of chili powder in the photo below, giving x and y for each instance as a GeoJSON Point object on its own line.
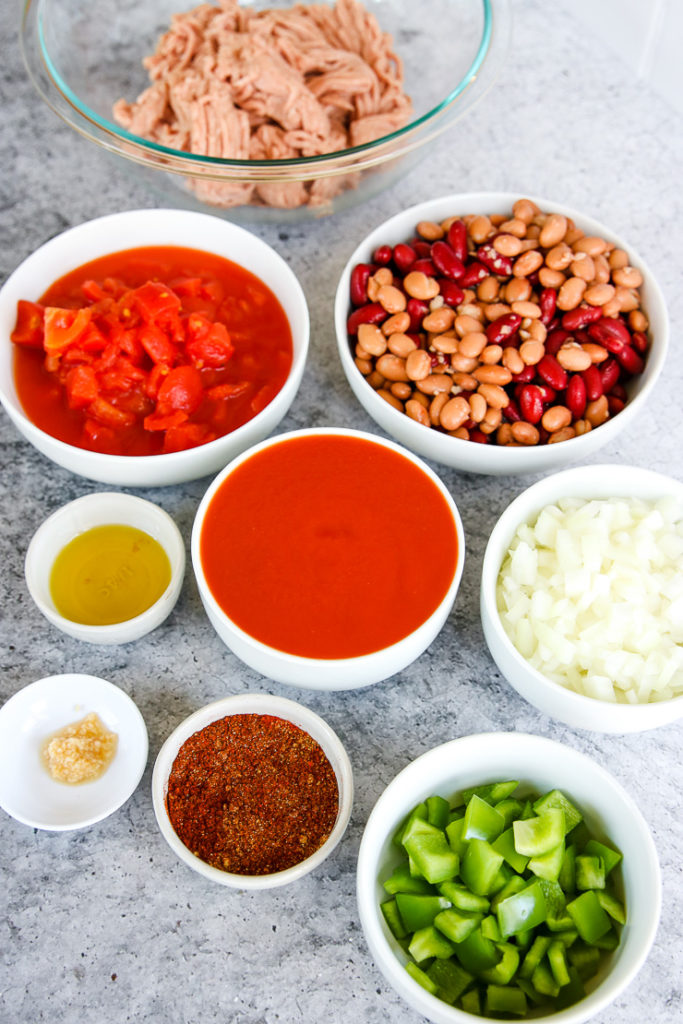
{"type": "Point", "coordinates": [252, 791]}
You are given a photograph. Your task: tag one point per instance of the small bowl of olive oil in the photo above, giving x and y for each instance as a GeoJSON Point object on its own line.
{"type": "Point", "coordinates": [107, 568]}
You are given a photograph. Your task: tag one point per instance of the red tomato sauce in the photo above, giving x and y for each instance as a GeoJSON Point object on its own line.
{"type": "Point", "coordinates": [328, 546]}
{"type": "Point", "coordinates": [98, 396]}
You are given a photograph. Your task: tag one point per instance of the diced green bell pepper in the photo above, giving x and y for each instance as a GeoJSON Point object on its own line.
{"type": "Point", "coordinates": [558, 963]}
{"type": "Point", "coordinates": [506, 968]}
{"type": "Point", "coordinates": [539, 835]}
{"type": "Point", "coordinates": [471, 1003]}
{"type": "Point", "coordinates": [461, 897]}
{"type": "Point", "coordinates": [609, 941]}
{"type": "Point", "coordinates": [524, 910]}
{"type": "Point", "coordinates": [554, 799]}
{"type": "Point", "coordinates": [590, 872]}
{"type": "Point", "coordinates": [454, 835]}
{"type": "Point", "coordinates": [568, 937]}
{"type": "Point", "coordinates": [450, 979]}
{"type": "Point", "coordinates": [418, 911]}
{"type": "Point", "coordinates": [543, 981]}
{"type": "Point", "coordinates": [428, 849]}
{"type": "Point", "coordinates": [428, 942]}
{"type": "Point", "coordinates": [417, 812]}
{"type": "Point", "coordinates": [586, 959]}
{"type": "Point", "coordinates": [505, 999]}
{"type": "Point", "coordinates": [548, 865]}
{"type": "Point", "coordinates": [530, 992]}
{"type": "Point", "coordinates": [393, 919]}
{"type": "Point", "coordinates": [477, 954]}
{"type": "Point", "coordinates": [610, 857]}
{"type": "Point", "coordinates": [493, 793]}
{"type": "Point", "coordinates": [456, 925]}
{"type": "Point", "coordinates": [482, 821]}
{"type": "Point", "coordinates": [401, 880]}
{"type": "Point", "coordinates": [480, 866]}
{"type": "Point", "coordinates": [490, 929]}
{"type": "Point", "coordinates": [513, 885]}
{"type": "Point", "coordinates": [510, 809]}
{"type": "Point", "coordinates": [612, 905]}
{"type": "Point", "coordinates": [421, 978]}
{"type": "Point", "coordinates": [571, 993]}
{"type": "Point", "coordinates": [589, 918]}
{"type": "Point", "coordinates": [505, 844]}
{"type": "Point", "coordinates": [539, 948]}
{"type": "Point", "coordinates": [438, 811]}
{"type": "Point", "coordinates": [567, 877]}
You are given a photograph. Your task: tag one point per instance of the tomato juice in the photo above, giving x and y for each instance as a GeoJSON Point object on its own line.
{"type": "Point", "coordinates": [150, 350]}
{"type": "Point", "coordinates": [328, 546]}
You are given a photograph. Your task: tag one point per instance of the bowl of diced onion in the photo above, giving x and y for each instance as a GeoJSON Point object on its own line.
{"type": "Point", "coordinates": [582, 597]}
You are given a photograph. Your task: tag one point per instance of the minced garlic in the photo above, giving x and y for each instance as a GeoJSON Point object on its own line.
{"type": "Point", "coordinates": [80, 752]}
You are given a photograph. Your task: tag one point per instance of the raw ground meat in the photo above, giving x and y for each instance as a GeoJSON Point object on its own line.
{"type": "Point", "coordinates": [261, 85]}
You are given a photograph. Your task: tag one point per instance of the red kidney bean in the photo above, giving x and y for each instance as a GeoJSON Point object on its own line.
{"type": "Point", "coordinates": [552, 373]}
{"type": "Point", "coordinates": [525, 376]}
{"type": "Point", "coordinates": [548, 394]}
{"type": "Point", "coordinates": [445, 261]}
{"type": "Point", "coordinates": [575, 396]}
{"type": "Point", "coordinates": [371, 313]}
{"type": "Point", "coordinates": [615, 404]}
{"type": "Point", "coordinates": [531, 403]}
{"type": "Point", "coordinates": [619, 391]}
{"type": "Point", "coordinates": [421, 248]}
{"type": "Point", "coordinates": [424, 266]}
{"type": "Point", "coordinates": [474, 274]}
{"type": "Point", "coordinates": [609, 375]}
{"type": "Point", "coordinates": [451, 292]}
{"type": "Point", "coordinates": [479, 437]}
{"type": "Point", "coordinates": [382, 255]}
{"type": "Point", "coordinates": [503, 329]}
{"type": "Point", "coordinates": [593, 383]}
{"type": "Point", "coordinates": [639, 342]}
{"type": "Point", "coordinates": [404, 257]}
{"type": "Point", "coordinates": [548, 303]}
{"type": "Point", "coordinates": [457, 239]}
{"type": "Point", "coordinates": [511, 412]}
{"type": "Point", "coordinates": [360, 275]}
{"type": "Point", "coordinates": [416, 338]}
{"type": "Point", "coordinates": [555, 340]}
{"type": "Point", "coordinates": [629, 359]}
{"type": "Point", "coordinates": [580, 317]}
{"type": "Point", "coordinates": [416, 309]}
{"type": "Point", "coordinates": [494, 261]}
{"type": "Point", "coordinates": [612, 334]}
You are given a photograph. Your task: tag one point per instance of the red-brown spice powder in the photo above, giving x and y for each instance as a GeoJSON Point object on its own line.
{"type": "Point", "coordinates": [252, 794]}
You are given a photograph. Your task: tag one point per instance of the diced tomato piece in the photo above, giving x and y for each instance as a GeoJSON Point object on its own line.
{"type": "Point", "coordinates": [161, 421]}
{"type": "Point", "coordinates": [213, 290]}
{"type": "Point", "coordinates": [223, 391]}
{"type": "Point", "coordinates": [28, 330]}
{"type": "Point", "coordinates": [156, 345]}
{"type": "Point", "coordinates": [188, 435]}
{"type": "Point", "coordinates": [208, 343]}
{"type": "Point", "coordinates": [106, 413]}
{"type": "Point", "coordinates": [98, 436]}
{"type": "Point", "coordinates": [190, 286]}
{"type": "Point", "coordinates": [121, 376]}
{"type": "Point", "coordinates": [129, 343]}
{"type": "Point", "coordinates": [73, 355]}
{"type": "Point", "coordinates": [155, 378]}
{"type": "Point", "coordinates": [154, 299]}
{"type": "Point", "coordinates": [93, 291]}
{"type": "Point", "coordinates": [92, 340]}
{"type": "Point", "coordinates": [181, 389]}
{"type": "Point", "coordinates": [63, 327]}
{"type": "Point", "coordinates": [81, 387]}
{"type": "Point", "coordinates": [114, 286]}
{"type": "Point", "coordinates": [108, 358]}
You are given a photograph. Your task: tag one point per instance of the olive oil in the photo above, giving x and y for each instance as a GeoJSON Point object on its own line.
{"type": "Point", "coordinates": [109, 574]}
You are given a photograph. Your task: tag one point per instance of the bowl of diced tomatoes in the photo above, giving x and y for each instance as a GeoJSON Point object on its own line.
{"type": "Point", "coordinates": [150, 347]}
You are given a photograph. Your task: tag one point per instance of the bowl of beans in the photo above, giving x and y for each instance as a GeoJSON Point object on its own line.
{"type": "Point", "coordinates": [149, 347]}
{"type": "Point", "coordinates": [253, 791]}
{"type": "Point", "coordinates": [499, 335]}
{"type": "Point", "coordinates": [507, 876]}
{"type": "Point", "coordinates": [325, 583]}
{"type": "Point", "coordinates": [581, 597]}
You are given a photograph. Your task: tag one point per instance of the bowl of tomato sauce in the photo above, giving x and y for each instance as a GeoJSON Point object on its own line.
{"type": "Point", "coordinates": [149, 347]}
{"type": "Point", "coordinates": [328, 558]}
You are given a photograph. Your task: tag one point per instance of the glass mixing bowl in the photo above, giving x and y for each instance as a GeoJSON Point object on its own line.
{"type": "Point", "coordinates": [83, 57]}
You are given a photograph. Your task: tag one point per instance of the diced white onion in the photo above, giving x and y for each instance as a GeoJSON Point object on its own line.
{"type": "Point", "coordinates": [591, 594]}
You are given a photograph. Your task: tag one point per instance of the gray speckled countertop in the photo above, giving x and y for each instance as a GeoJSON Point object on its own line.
{"type": "Point", "coordinates": [106, 924]}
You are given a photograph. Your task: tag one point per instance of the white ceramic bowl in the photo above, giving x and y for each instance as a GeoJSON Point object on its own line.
{"type": "Point", "coordinates": [318, 673]}
{"type": "Point", "coordinates": [254, 704]}
{"type": "Point", "coordinates": [129, 230]}
{"type": "Point", "coordinates": [101, 510]}
{"type": "Point", "coordinates": [555, 700]}
{"type": "Point", "coordinates": [468, 455]}
{"type": "Point", "coordinates": [31, 716]}
{"type": "Point", "coordinates": [543, 764]}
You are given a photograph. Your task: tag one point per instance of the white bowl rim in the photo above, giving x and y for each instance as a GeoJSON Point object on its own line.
{"type": "Point", "coordinates": [139, 625]}
{"type": "Point", "coordinates": [520, 459]}
{"type": "Point", "coordinates": [296, 659]}
{"type": "Point", "coordinates": [170, 460]}
{"type": "Point", "coordinates": [593, 475]}
{"type": "Point", "coordinates": [375, 834]}
{"type": "Point", "coordinates": [259, 704]}
{"type": "Point", "coordinates": [141, 739]}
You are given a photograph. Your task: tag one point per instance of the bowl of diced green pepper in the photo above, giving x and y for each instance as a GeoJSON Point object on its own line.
{"type": "Point", "coordinates": [509, 877]}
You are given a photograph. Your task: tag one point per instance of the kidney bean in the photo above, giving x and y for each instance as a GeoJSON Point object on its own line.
{"type": "Point", "coordinates": [548, 394]}
{"type": "Point", "coordinates": [639, 341]}
{"type": "Point", "coordinates": [609, 374]}
{"type": "Point", "coordinates": [479, 437]}
{"type": "Point", "coordinates": [548, 303]}
{"type": "Point", "coordinates": [417, 310]}
{"type": "Point", "coordinates": [615, 404]}
{"type": "Point", "coordinates": [451, 293]}
{"type": "Point", "coordinates": [371, 313]}
{"type": "Point", "coordinates": [457, 239]}
{"type": "Point", "coordinates": [511, 412]}
{"type": "Point", "coordinates": [575, 396]}
{"type": "Point", "coordinates": [551, 372]}
{"type": "Point", "coordinates": [421, 248]}
{"type": "Point", "coordinates": [610, 333]}
{"type": "Point", "coordinates": [475, 272]}
{"type": "Point", "coordinates": [446, 262]}
{"type": "Point", "coordinates": [503, 329]}
{"type": "Point", "coordinates": [525, 376]}
{"type": "Point", "coordinates": [382, 255]}
{"type": "Point", "coordinates": [556, 340]}
{"type": "Point", "coordinates": [360, 275]}
{"type": "Point", "coordinates": [404, 257]}
{"type": "Point", "coordinates": [629, 359]}
{"type": "Point", "coordinates": [424, 266]}
{"type": "Point", "coordinates": [580, 317]}
{"type": "Point", "coordinates": [494, 261]}
{"type": "Point", "coordinates": [531, 403]}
